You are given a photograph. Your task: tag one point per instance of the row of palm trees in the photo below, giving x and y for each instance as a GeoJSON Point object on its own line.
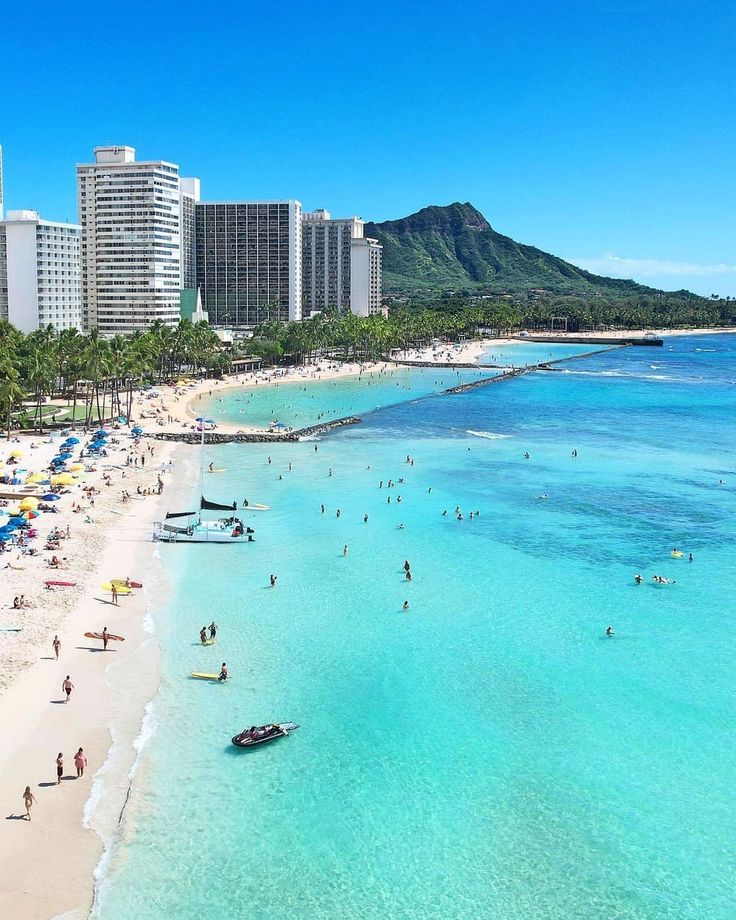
{"type": "Point", "coordinates": [96, 374]}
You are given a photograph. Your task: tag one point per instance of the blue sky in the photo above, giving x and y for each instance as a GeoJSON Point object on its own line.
{"type": "Point", "coordinates": [602, 132]}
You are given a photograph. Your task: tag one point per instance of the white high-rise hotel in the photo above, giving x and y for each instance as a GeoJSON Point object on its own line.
{"type": "Point", "coordinates": [133, 263]}
{"type": "Point", "coordinates": [39, 272]}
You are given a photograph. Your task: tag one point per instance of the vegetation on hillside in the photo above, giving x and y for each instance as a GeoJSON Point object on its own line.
{"type": "Point", "coordinates": [454, 248]}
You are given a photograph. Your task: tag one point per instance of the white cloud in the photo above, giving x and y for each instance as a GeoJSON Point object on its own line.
{"type": "Point", "coordinates": [616, 267]}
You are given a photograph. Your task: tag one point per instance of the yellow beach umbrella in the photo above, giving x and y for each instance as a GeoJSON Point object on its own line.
{"type": "Point", "coordinates": [62, 479]}
{"type": "Point", "coordinates": [36, 477]}
{"type": "Point", "coordinates": [75, 467]}
{"type": "Point", "coordinates": [16, 453]}
{"type": "Point", "coordinates": [29, 504]}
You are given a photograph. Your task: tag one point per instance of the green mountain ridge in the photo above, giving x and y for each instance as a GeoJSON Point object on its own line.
{"type": "Point", "coordinates": [453, 247]}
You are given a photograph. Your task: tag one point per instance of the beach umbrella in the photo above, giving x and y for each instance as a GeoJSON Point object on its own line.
{"type": "Point", "coordinates": [29, 504]}
{"type": "Point", "coordinates": [16, 453]}
{"type": "Point", "coordinates": [72, 441]}
{"type": "Point", "coordinates": [35, 477]}
{"type": "Point", "coordinates": [64, 456]}
{"type": "Point", "coordinates": [101, 433]}
{"type": "Point", "coordinates": [62, 479]}
{"type": "Point", "coordinates": [137, 430]}
{"type": "Point", "coordinates": [29, 515]}
{"type": "Point", "coordinates": [75, 467]}
{"type": "Point", "coordinates": [51, 497]}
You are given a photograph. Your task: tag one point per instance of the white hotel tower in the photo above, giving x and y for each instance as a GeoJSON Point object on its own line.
{"type": "Point", "coordinates": [39, 272]}
{"type": "Point", "coordinates": [131, 214]}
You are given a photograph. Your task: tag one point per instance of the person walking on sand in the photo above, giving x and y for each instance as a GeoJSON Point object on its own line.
{"type": "Point", "coordinates": [56, 646]}
{"type": "Point", "coordinates": [67, 686]}
{"type": "Point", "coordinates": [59, 768]}
{"type": "Point", "coordinates": [105, 638]}
{"type": "Point", "coordinates": [114, 592]}
{"type": "Point", "coordinates": [28, 800]}
{"type": "Point", "coordinates": [80, 762]}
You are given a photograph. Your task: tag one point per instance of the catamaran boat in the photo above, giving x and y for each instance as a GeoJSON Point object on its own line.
{"type": "Point", "coordinates": [227, 529]}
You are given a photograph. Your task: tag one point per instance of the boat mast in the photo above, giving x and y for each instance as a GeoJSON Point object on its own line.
{"type": "Point", "coordinates": [201, 471]}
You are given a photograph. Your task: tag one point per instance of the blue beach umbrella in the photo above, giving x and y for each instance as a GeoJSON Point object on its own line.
{"type": "Point", "coordinates": [72, 441]}
{"type": "Point", "coordinates": [51, 497]}
{"type": "Point", "coordinates": [64, 456]}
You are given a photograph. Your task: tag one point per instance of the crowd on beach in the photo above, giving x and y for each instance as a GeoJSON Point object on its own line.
{"type": "Point", "coordinates": [60, 494]}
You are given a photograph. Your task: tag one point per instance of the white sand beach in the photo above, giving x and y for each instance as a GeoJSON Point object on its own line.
{"type": "Point", "coordinates": [48, 862]}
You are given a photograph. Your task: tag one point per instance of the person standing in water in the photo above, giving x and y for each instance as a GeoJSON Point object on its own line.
{"type": "Point", "coordinates": [345, 550]}
{"type": "Point", "coordinates": [609, 631]}
{"type": "Point", "coordinates": [57, 646]}
{"type": "Point", "coordinates": [203, 635]}
{"type": "Point", "coordinates": [28, 800]}
{"type": "Point", "coordinates": [223, 672]}
{"type": "Point", "coordinates": [273, 581]}
{"type": "Point", "coordinates": [213, 630]}
{"type": "Point", "coordinates": [406, 605]}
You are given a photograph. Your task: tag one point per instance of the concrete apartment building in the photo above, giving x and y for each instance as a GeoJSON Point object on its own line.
{"type": "Point", "coordinates": [131, 217]}
{"type": "Point", "coordinates": [366, 280]}
{"type": "Point", "coordinates": [249, 261]}
{"type": "Point", "coordinates": [340, 267]}
{"type": "Point", "coordinates": [188, 198]}
{"type": "Point", "coordinates": [40, 278]}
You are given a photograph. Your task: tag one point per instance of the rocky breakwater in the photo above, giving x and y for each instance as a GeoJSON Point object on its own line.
{"type": "Point", "coordinates": [252, 437]}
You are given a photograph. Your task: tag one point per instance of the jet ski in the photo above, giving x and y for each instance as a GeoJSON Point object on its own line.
{"type": "Point", "coordinates": [260, 734]}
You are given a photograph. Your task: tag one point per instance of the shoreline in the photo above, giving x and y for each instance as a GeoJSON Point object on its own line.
{"type": "Point", "coordinates": [53, 863]}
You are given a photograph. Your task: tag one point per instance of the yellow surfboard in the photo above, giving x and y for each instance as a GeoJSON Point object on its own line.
{"type": "Point", "coordinates": [119, 588]}
{"type": "Point", "coordinates": [201, 676]}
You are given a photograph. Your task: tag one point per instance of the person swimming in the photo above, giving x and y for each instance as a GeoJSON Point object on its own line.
{"type": "Point", "coordinates": [638, 579]}
{"type": "Point", "coordinates": [609, 630]}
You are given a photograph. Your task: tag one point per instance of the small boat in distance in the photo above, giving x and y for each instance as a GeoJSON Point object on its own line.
{"type": "Point", "coordinates": [260, 734]}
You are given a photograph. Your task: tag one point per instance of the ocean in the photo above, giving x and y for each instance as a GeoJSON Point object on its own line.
{"type": "Point", "coordinates": [489, 752]}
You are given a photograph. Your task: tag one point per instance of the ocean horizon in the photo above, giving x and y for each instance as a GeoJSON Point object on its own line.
{"type": "Point", "coordinates": [488, 752]}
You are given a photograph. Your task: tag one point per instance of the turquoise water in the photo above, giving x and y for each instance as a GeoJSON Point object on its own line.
{"type": "Point", "coordinates": [489, 753]}
{"type": "Point", "coordinates": [517, 353]}
{"type": "Point", "coordinates": [298, 403]}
